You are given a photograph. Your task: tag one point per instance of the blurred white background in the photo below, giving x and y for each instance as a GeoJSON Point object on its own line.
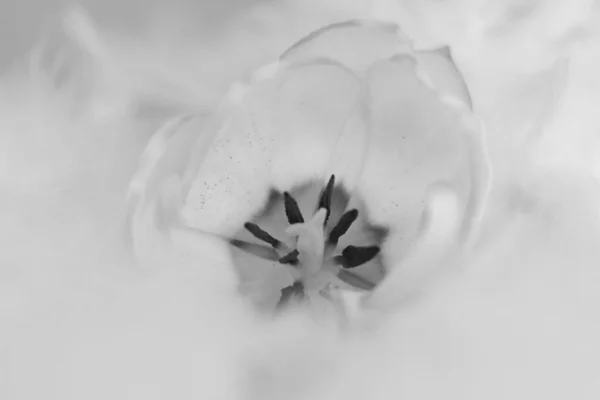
{"type": "Point", "coordinates": [78, 320]}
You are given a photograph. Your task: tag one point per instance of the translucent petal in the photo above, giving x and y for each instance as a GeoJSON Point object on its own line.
{"type": "Point", "coordinates": [347, 98]}
{"type": "Point", "coordinates": [355, 44]}
{"type": "Point", "coordinates": [416, 140]}
{"type": "Point", "coordinates": [282, 133]}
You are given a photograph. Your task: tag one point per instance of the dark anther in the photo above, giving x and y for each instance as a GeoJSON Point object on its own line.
{"type": "Point", "coordinates": [288, 293]}
{"type": "Point", "coordinates": [262, 235]}
{"type": "Point", "coordinates": [355, 280]}
{"type": "Point", "coordinates": [325, 198]}
{"type": "Point", "coordinates": [353, 256]}
{"type": "Point", "coordinates": [292, 211]}
{"type": "Point", "coordinates": [290, 258]}
{"type": "Point", "coordinates": [258, 250]}
{"type": "Point", "coordinates": [342, 226]}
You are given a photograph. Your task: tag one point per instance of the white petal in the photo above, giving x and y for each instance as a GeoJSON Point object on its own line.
{"type": "Point", "coordinates": [416, 141]}
{"type": "Point", "coordinates": [281, 134]}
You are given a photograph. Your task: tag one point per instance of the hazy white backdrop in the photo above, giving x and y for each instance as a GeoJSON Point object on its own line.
{"type": "Point", "coordinates": [79, 320]}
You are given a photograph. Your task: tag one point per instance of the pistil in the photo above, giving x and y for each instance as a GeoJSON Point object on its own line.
{"type": "Point", "coordinates": [310, 242]}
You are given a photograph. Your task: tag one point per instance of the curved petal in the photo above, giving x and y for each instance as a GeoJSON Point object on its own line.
{"type": "Point", "coordinates": [356, 44]}
{"type": "Point", "coordinates": [417, 140]}
{"type": "Point", "coordinates": [437, 70]}
{"type": "Point", "coordinates": [281, 133]}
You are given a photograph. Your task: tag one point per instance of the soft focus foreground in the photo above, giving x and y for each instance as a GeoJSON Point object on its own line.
{"type": "Point", "coordinates": [82, 321]}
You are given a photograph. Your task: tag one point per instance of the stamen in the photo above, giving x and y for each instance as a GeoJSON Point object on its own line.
{"type": "Point", "coordinates": [260, 234]}
{"type": "Point", "coordinates": [287, 293]}
{"type": "Point", "coordinates": [310, 255]}
{"type": "Point", "coordinates": [353, 256]}
{"type": "Point", "coordinates": [290, 258]}
{"type": "Point", "coordinates": [258, 250]}
{"type": "Point", "coordinates": [325, 198]}
{"type": "Point", "coordinates": [354, 280]}
{"type": "Point", "coordinates": [292, 211]}
{"type": "Point", "coordinates": [342, 226]}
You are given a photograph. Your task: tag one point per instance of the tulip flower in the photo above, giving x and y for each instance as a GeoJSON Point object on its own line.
{"type": "Point", "coordinates": [317, 171]}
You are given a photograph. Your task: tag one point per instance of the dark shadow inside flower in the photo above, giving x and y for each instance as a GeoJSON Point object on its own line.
{"type": "Point", "coordinates": [291, 235]}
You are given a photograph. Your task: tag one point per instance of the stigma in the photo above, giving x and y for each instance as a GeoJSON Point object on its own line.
{"type": "Point", "coordinates": [310, 242]}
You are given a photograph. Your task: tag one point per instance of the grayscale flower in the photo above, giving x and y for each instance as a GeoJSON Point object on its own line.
{"type": "Point", "coordinates": [316, 170]}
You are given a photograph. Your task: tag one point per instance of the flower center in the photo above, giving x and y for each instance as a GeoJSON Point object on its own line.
{"type": "Point", "coordinates": [310, 251]}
